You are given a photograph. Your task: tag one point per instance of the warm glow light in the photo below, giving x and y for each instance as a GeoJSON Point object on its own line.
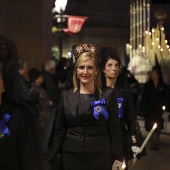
{"type": "Point", "coordinates": [155, 126]}
{"type": "Point", "coordinates": [60, 5]}
{"type": "Point", "coordinates": [163, 107]}
{"type": "Point", "coordinates": [142, 60]}
{"type": "Point", "coordinates": [123, 166]}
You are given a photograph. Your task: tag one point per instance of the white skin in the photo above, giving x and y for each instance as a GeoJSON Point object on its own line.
{"type": "Point", "coordinates": [86, 73]}
{"type": "Point", "coordinates": [155, 77]}
{"type": "Point", "coordinates": [39, 80]}
{"type": "Point", "coordinates": [111, 71]}
{"type": "Point", "coordinates": [24, 72]}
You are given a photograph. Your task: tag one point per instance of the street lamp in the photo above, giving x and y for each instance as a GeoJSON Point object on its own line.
{"type": "Point", "coordinates": [60, 5]}
{"type": "Point", "coordinates": [60, 18]}
{"type": "Point", "coordinates": [74, 23]}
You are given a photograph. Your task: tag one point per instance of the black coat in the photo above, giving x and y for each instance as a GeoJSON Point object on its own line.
{"type": "Point", "coordinates": [86, 134]}
{"type": "Point", "coordinates": [128, 122]}
{"type": "Point", "coordinates": [18, 151]}
{"type": "Point", "coordinates": [152, 100]}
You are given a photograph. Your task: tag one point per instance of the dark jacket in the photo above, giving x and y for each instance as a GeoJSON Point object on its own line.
{"type": "Point", "coordinates": [18, 151]}
{"type": "Point", "coordinates": [152, 100]}
{"type": "Point", "coordinates": [51, 88]}
{"type": "Point", "coordinates": [29, 95]}
{"type": "Point", "coordinates": [128, 122]}
{"type": "Point", "coordinates": [88, 134]}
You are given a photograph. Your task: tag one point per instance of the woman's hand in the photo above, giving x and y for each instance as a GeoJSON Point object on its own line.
{"type": "Point", "coordinates": [117, 165]}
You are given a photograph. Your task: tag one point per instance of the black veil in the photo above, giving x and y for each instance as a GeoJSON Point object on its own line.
{"type": "Point", "coordinates": [9, 71]}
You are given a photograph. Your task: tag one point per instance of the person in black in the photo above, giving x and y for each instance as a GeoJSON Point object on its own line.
{"type": "Point", "coordinates": [155, 96]}
{"type": "Point", "coordinates": [46, 110]}
{"type": "Point", "coordinates": [87, 131]}
{"type": "Point", "coordinates": [51, 87]}
{"type": "Point", "coordinates": [113, 77]}
{"type": "Point", "coordinates": [134, 86]}
{"type": "Point", "coordinates": [18, 149]}
{"type": "Point", "coordinates": [29, 95]}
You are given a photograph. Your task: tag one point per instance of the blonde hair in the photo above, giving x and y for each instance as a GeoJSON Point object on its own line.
{"type": "Point", "coordinates": [82, 58]}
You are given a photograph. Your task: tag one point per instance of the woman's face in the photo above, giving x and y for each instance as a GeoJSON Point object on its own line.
{"type": "Point", "coordinates": [86, 72]}
{"type": "Point", "coordinates": [154, 75]}
{"type": "Point", "coordinates": [112, 68]}
{"type": "Point", "coordinates": [39, 80]}
{"type": "Point", "coordinates": [1, 86]}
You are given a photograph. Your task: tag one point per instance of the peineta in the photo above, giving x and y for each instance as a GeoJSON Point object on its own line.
{"type": "Point", "coordinates": [78, 49]}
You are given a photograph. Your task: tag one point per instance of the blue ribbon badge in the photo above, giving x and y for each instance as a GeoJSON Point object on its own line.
{"type": "Point", "coordinates": [120, 107]}
{"type": "Point", "coordinates": [3, 127]}
{"type": "Point", "coordinates": [98, 108]}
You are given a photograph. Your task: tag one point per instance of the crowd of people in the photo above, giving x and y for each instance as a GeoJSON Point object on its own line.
{"type": "Point", "coordinates": [90, 123]}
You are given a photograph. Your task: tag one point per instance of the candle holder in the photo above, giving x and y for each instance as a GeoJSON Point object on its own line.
{"type": "Point", "coordinates": [146, 45]}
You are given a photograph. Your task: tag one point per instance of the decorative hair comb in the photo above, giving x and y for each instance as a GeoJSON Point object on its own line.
{"type": "Point", "coordinates": [78, 49]}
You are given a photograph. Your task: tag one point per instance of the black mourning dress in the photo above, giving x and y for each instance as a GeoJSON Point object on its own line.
{"type": "Point", "coordinates": [85, 142]}
{"type": "Point", "coordinates": [18, 151]}
{"type": "Point", "coordinates": [128, 123]}
{"type": "Point", "coordinates": [87, 160]}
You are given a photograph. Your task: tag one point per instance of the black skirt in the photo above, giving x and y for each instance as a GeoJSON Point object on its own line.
{"type": "Point", "coordinates": [87, 161]}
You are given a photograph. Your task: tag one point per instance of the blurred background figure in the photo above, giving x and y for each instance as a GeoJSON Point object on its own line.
{"type": "Point", "coordinates": [51, 87]}
{"type": "Point", "coordinates": [49, 83]}
{"type": "Point", "coordinates": [46, 110]}
{"type": "Point", "coordinates": [134, 86]}
{"type": "Point", "coordinates": [154, 97]}
{"type": "Point", "coordinates": [62, 71]}
{"type": "Point", "coordinates": [18, 148]}
{"type": "Point", "coordinates": [30, 96]}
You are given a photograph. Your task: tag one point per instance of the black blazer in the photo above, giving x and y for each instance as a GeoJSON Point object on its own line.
{"type": "Point", "coordinates": [88, 134]}
{"type": "Point", "coordinates": [18, 151]}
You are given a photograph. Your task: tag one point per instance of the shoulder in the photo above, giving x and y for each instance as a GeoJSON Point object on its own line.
{"type": "Point", "coordinates": [107, 91]}
{"type": "Point", "coordinates": [68, 92]}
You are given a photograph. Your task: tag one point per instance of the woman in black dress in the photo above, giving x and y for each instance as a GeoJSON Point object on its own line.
{"type": "Point", "coordinates": [113, 77]}
{"type": "Point", "coordinates": [18, 150]}
{"type": "Point", "coordinates": [87, 130]}
{"type": "Point", "coordinates": [155, 96]}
